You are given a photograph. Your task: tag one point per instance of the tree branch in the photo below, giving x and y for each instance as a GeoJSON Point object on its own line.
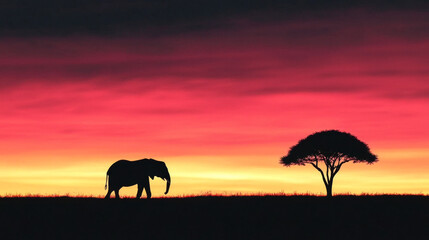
{"type": "Point", "coordinates": [317, 160]}
{"type": "Point", "coordinates": [339, 166]}
{"type": "Point", "coordinates": [321, 172]}
{"type": "Point", "coordinates": [328, 166]}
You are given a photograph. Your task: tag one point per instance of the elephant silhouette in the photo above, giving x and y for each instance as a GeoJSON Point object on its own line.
{"type": "Point", "coordinates": [127, 173]}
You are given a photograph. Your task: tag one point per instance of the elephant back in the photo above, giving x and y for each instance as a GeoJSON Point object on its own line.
{"type": "Point", "coordinates": [119, 166]}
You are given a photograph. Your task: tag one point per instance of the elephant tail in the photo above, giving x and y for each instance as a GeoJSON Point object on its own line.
{"type": "Point", "coordinates": [105, 186]}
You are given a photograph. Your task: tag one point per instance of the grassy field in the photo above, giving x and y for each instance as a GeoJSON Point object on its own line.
{"type": "Point", "coordinates": [241, 217]}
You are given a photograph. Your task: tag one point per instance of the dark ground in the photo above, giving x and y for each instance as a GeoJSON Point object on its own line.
{"type": "Point", "coordinates": [265, 217]}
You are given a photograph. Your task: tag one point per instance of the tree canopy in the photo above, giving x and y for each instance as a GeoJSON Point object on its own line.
{"type": "Point", "coordinates": [332, 148]}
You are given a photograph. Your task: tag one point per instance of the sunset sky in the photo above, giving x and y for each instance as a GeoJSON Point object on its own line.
{"type": "Point", "coordinates": [217, 90]}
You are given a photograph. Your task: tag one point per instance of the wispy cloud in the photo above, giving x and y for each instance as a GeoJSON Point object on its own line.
{"type": "Point", "coordinates": [352, 51]}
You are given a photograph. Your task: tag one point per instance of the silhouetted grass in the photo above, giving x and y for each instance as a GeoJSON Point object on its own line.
{"type": "Point", "coordinates": [216, 217]}
{"type": "Point", "coordinates": [210, 194]}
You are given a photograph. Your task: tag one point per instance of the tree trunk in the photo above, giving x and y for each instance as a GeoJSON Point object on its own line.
{"type": "Point", "coordinates": [329, 190]}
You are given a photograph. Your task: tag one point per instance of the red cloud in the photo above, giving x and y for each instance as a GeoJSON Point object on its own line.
{"type": "Point", "coordinates": [251, 86]}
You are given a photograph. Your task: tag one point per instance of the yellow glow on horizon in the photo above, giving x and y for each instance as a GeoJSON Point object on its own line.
{"type": "Point", "coordinates": [193, 175]}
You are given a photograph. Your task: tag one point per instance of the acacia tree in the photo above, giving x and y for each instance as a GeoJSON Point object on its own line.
{"type": "Point", "coordinates": [331, 148]}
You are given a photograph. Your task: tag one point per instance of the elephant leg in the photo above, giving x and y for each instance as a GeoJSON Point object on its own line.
{"type": "Point", "coordinates": [108, 193]}
{"type": "Point", "coordinates": [117, 193]}
{"type": "Point", "coordinates": [139, 190]}
{"type": "Point", "coordinates": [147, 187]}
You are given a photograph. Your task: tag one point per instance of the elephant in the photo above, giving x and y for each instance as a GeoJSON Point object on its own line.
{"type": "Point", "coordinates": [127, 173]}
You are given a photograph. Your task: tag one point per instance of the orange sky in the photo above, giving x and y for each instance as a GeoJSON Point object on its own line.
{"type": "Point", "coordinates": [220, 106]}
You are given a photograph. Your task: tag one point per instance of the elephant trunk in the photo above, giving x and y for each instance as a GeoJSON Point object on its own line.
{"type": "Point", "coordinates": [168, 183]}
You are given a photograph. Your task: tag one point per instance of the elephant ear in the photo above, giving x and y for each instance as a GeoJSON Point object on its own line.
{"type": "Point", "coordinates": [151, 177]}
